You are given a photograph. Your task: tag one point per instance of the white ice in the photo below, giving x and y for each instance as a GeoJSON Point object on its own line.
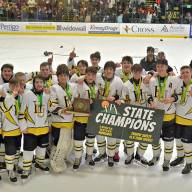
{"type": "Point", "coordinates": [26, 53]}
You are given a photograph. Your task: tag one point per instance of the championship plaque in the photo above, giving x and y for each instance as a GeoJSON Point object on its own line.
{"type": "Point", "coordinates": [81, 105]}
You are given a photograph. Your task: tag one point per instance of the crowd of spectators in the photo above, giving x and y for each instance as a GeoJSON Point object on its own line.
{"type": "Point", "coordinates": [112, 11]}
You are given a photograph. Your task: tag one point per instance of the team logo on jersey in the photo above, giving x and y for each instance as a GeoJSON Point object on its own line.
{"type": "Point", "coordinates": [9, 116]}
{"type": "Point", "coordinates": [28, 117]}
{"type": "Point", "coordinates": [189, 111]}
{"type": "Point", "coordinates": [39, 110]}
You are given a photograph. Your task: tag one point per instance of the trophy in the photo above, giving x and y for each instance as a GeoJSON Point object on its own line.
{"type": "Point", "coordinates": [81, 105]}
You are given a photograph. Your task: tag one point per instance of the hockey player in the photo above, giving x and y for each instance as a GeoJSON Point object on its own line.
{"type": "Point", "coordinates": [87, 90]}
{"type": "Point", "coordinates": [71, 62]}
{"type": "Point", "coordinates": [61, 98]}
{"type": "Point", "coordinates": [125, 74]}
{"type": "Point", "coordinates": [50, 62]}
{"type": "Point", "coordinates": [162, 88]}
{"type": "Point", "coordinates": [6, 73]}
{"type": "Point", "coordinates": [34, 125]}
{"type": "Point", "coordinates": [10, 105]}
{"type": "Point", "coordinates": [135, 93]}
{"type": "Point", "coordinates": [48, 77]}
{"type": "Point", "coordinates": [21, 78]}
{"type": "Point", "coordinates": [95, 60]}
{"type": "Point", "coordinates": [81, 69]}
{"type": "Point", "coordinates": [2, 146]}
{"type": "Point", "coordinates": [46, 73]}
{"type": "Point", "coordinates": [110, 88]}
{"type": "Point", "coordinates": [183, 131]}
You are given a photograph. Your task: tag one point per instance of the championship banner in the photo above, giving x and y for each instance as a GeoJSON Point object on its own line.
{"type": "Point", "coordinates": [127, 122]}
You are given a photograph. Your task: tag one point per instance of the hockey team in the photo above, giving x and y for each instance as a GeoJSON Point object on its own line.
{"type": "Point", "coordinates": [36, 122]}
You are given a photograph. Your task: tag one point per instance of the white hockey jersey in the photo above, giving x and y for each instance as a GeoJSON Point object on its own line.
{"type": "Point", "coordinates": [34, 112]}
{"type": "Point", "coordinates": [130, 95]}
{"type": "Point", "coordinates": [1, 123]}
{"type": "Point", "coordinates": [49, 82]}
{"type": "Point", "coordinates": [124, 77]}
{"type": "Point", "coordinates": [170, 88]}
{"type": "Point", "coordinates": [10, 113]}
{"type": "Point", "coordinates": [60, 99]}
{"type": "Point", "coordinates": [87, 92]}
{"type": "Point", "coordinates": [184, 103]}
{"type": "Point", "coordinates": [75, 77]}
{"type": "Point", "coordinates": [6, 89]}
{"type": "Point", "coordinates": [29, 76]}
{"type": "Point", "coordinates": [109, 88]}
{"type": "Point", "coordinates": [2, 81]}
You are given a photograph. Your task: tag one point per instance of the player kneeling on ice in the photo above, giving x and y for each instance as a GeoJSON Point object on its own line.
{"type": "Point", "coordinates": [34, 125]}
{"type": "Point", "coordinates": [135, 92]}
{"type": "Point", "coordinates": [183, 131]}
{"type": "Point", "coordinates": [162, 89]}
{"type": "Point", "coordinates": [110, 87]}
{"type": "Point", "coordinates": [61, 98]}
{"type": "Point", "coordinates": [86, 90]}
{"type": "Point", "coordinates": [9, 106]}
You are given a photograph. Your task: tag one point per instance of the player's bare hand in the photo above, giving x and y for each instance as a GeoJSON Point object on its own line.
{"type": "Point", "coordinates": [190, 93]}
{"type": "Point", "coordinates": [72, 54]}
{"type": "Point", "coordinates": [118, 102]}
{"type": "Point", "coordinates": [110, 98]}
{"type": "Point", "coordinates": [152, 105]}
{"type": "Point", "coordinates": [147, 79]}
{"type": "Point", "coordinates": [168, 100]}
{"type": "Point", "coordinates": [2, 93]}
{"type": "Point", "coordinates": [80, 81]}
{"type": "Point", "coordinates": [46, 90]}
{"type": "Point", "coordinates": [25, 131]}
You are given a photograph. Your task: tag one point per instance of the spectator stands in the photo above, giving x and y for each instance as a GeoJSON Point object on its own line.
{"type": "Point", "coordinates": [111, 11]}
